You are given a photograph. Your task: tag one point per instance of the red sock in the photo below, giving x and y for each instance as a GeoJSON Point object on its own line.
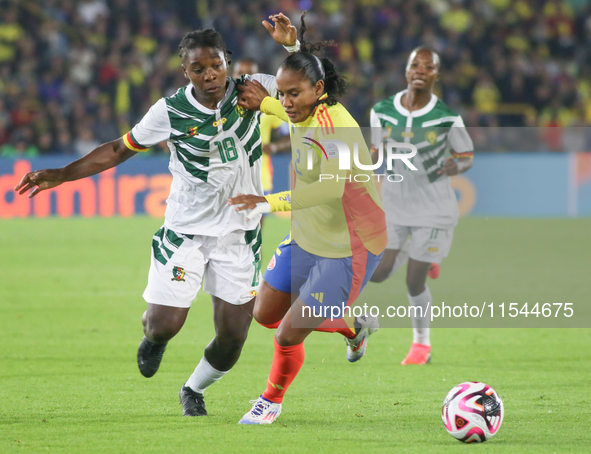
{"type": "Point", "coordinates": [271, 326]}
{"type": "Point", "coordinates": [287, 362]}
{"type": "Point", "coordinates": [336, 326]}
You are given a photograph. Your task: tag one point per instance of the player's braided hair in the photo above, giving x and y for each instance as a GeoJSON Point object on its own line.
{"type": "Point", "coordinates": [315, 68]}
{"type": "Point", "coordinates": [200, 39]}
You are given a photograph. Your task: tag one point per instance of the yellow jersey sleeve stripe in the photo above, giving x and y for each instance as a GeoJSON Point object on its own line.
{"type": "Point", "coordinates": [325, 120]}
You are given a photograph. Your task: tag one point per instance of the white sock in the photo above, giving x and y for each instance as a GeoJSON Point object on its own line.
{"type": "Point", "coordinates": [420, 325]}
{"type": "Point", "coordinates": [204, 376]}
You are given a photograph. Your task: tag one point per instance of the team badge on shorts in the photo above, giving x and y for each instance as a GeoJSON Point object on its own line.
{"type": "Point", "coordinates": [178, 274]}
{"type": "Point", "coordinates": [253, 293]}
{"type": "Point", "coordinates": [271, 263]}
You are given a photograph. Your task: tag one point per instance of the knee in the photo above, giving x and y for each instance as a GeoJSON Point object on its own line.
{"type": "Point", "coordinates": [287, 336]}
{"type": "Point", "coordinates": [231, 342]}
{"type": "Point", "coordinates": [381, 274]}
{"type": "Point", "coordinates": [269, 309]}
{"type": "Point", "coordinates": [286, 339]}
{"type": "Point", "coordinates": [415, 286]}
{"type": "Point", "coordinates": [159, 330]}
{"type": "Point", "coordinates": [259, 314]}
{"type": "Point", "coordinates": [263, 317]}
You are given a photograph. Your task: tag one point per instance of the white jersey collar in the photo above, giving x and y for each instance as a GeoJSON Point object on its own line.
{"type": "Point", "coordinates": [417, 113]}
{"type": "Point", "coordinates": [201, 107]}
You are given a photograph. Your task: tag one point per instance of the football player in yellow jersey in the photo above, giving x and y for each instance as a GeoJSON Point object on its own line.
{"type": "Point", "coordinates": [338, 229]}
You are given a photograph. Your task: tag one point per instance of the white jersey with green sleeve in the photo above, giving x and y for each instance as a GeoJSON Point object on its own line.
{"type": "Point", "coordinates": [214, 154]}
{"type": "Point", "coordinates": [424, 198]}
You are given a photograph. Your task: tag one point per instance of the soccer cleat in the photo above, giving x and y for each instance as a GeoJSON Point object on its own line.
{"type": "Point", "coordinates": [149, 356]}
{"type": "Point", "coordinates": [434, 271]}
{"type": "Point", "coordinates": [263, 411]}
{"type": "Point", "coordinates": [192, 402]}
{"type": "Point", "coordinates": [364, 327]}
{"type": "Point", "coordinates": [418, 354]}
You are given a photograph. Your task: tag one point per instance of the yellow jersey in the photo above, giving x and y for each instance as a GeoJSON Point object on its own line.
{"type": "Point", "coordinates": [331, 217]}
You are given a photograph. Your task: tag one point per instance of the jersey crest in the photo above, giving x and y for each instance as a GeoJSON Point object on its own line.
{"type": "Point", "coordinates": [192, 131]}
{"type": "Point", "coordinates": [431, 137]}
{"type": "Point", "coordinates": [241, 111]}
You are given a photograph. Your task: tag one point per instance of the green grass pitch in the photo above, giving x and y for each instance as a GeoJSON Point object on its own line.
{"type": "Point", "coordinates": [70, 308]}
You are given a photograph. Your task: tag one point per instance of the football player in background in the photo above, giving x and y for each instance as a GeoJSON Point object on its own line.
{"type": "Point", "coordinates": [423, 205]}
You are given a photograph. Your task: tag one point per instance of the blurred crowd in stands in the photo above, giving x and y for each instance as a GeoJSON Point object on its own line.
{"type": "Point", "coordinates": [76, 73]}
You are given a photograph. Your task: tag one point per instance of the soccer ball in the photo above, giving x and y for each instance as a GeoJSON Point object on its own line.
{"type": "Point", "coordinates": [472, 412]}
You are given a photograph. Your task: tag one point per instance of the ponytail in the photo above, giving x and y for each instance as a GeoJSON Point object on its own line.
{"type": "Point", "coordinates": [315, 68]}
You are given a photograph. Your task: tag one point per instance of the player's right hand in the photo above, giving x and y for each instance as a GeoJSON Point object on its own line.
{"type": "Point", "coordinates": [251, 94]}
{"type": "Point", "coordinates": [40, 180]}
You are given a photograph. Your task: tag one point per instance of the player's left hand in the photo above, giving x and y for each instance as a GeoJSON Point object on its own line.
{"type": "Point", "coordinates": [450, 168]}
{"type": "Point", "coordinates": [257, 204]}
{"type": "Point", "coordinates": [284, 33]}
{"type": "Point", "coordinates": [251, 94]}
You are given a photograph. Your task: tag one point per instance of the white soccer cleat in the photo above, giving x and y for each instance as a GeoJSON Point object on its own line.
{"type": "Point", "coordinates": [263, 411]}
{"type": "Point", "coordinates": [364, 327]}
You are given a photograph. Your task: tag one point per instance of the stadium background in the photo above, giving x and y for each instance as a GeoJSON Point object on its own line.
{"type": "Point", "coordinates": [75, 74]}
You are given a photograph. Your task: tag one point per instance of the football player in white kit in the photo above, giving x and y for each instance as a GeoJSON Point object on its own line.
{"type": "Point", "coordinates": [215, 151]}
{"type": "Point", "coordinates": [423, 205]}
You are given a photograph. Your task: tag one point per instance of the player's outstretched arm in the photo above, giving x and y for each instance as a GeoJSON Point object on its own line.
{"type": "Point", "coordinates": [108, 155]}
{"type": "Point", "coordinates": [283, 33]}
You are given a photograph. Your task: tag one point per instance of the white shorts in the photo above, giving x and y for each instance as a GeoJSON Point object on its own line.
{"type": "Point", "coordinates": [426, 244]}
{"type": "Point", "coordinates": [228, 266]}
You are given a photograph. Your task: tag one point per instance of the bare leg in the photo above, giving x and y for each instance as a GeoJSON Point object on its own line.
{"type": "Point", "coordinates": [271, 305]}
{"type": "Point", "coordinates": [416, 276]}
{"type": "Point", "coordinates": [287, 335]}
{"type": "Point", "coordinates": [289, 353]}
{"type": "Point", "coordinates": [385, 266]}
{"type": "Point", "coordinates": [231, 327]}
{"type": "Point", "coordinates": [162, 323]}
